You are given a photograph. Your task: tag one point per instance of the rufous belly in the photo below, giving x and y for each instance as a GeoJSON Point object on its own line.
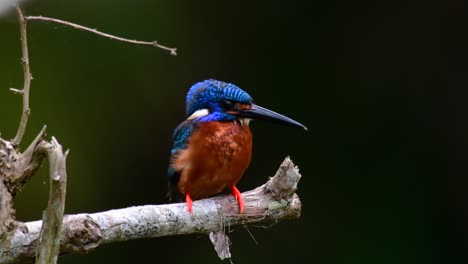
{"type": "Point", "coordinates": [216, 157]}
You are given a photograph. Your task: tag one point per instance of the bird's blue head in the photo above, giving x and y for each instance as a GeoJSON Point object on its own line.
{"type": "Point", "coordinates": [213, 100]}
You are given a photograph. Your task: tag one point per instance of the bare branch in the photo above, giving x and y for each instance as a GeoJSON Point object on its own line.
{"type": "Point", "coordinates": [155, 43]}
{"type": "Point", "coordinates": [85, 232]}
{"type": "Point", "coordinates": [27, 79]}
{"type": "Point", "coordinates": [51, 230]}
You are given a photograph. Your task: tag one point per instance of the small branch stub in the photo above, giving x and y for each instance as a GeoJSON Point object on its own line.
{"type": "Point", "coordinates": [221, 243]}
{"type": "Point", "coordinates": [16, 91]}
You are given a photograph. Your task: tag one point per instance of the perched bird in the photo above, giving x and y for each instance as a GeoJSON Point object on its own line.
{"type": "Point", "coordinates": [213, 146]}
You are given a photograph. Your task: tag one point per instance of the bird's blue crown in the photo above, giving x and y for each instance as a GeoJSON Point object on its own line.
{"type": "Point", "coordinates": [209, 93]}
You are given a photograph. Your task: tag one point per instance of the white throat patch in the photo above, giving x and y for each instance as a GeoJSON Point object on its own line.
{"type": "Point", "coordinates": [244, 121]}
{"type": "Point", "coordinates": [198, 113]}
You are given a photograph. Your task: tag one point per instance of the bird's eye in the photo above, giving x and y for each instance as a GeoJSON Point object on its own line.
{"type": "Point", "coordinates": [226, 104]}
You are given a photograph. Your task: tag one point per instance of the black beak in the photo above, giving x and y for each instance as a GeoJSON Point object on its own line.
{"type": "Point", "coordinates": [260, 113]}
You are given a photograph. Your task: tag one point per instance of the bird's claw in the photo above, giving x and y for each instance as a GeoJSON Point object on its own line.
{"type": "Point", "coordinates": [237, 195]}
{"type": "Point", "coordinates": [188, 200]}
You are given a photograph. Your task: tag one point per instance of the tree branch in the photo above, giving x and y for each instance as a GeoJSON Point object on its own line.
{"type": "Point", "coordinates": [155, 43]}
{"type": "Point", "coordinates": [51, 229]}
{"type": "Point", "coordinates": [84, 232]}
{"type": "Point", "coordinates": [27, 79]}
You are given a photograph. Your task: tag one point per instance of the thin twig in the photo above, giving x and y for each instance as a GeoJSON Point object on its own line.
{"type": "Point", "coordinates": [51, 230]}
{"type": "Point", "coordinates": [27, 79]}
{"type": "Point", "coordinates": [80, 27]}
{"type": "Point", "coordinates": [251, 235]}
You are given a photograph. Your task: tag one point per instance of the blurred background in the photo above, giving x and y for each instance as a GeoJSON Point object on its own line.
{"type": "Point", "coordinates": [381, 87]}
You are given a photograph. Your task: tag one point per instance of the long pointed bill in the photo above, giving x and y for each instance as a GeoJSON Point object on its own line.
{"type": "Point", "coordinates": [260, 113]}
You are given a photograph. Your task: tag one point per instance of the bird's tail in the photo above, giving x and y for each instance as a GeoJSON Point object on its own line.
{"type": "Point", "coordinates": [173, 195]}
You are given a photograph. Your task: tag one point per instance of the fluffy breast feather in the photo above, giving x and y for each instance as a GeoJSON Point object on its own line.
{"type": "Point", "coordinates": [216, 156]}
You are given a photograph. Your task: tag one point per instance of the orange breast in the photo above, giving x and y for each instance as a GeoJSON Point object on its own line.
{"type": "Point", "coordinates": [216, 157]}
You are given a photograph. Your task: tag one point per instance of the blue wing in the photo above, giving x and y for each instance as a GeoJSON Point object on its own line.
{"type": "Point", "coordinates": [180, 137]}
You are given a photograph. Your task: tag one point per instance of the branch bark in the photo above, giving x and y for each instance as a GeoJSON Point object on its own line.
{"type": "Point", "coordinates": [272, 202]}
{"type": "Point", "coordinates": [5, 211]}
{"type": "Point", "coordinates": [17, 168]}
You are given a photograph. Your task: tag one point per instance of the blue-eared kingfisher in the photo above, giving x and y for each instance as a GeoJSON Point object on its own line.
{"type": "Point", "coordinates": [213, 146]}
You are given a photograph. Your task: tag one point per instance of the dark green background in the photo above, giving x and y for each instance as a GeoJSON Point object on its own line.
{"type": "Point", "coordinates": [380, 86]}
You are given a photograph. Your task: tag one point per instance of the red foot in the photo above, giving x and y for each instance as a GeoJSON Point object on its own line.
{"type": "Point", "coordinates": [188, 200]}
{"type": "Point", "coordinates": [237, 195]}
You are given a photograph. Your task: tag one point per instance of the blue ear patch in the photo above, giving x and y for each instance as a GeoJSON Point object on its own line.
{"type": "Point", "coordinates": [203, 93]}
